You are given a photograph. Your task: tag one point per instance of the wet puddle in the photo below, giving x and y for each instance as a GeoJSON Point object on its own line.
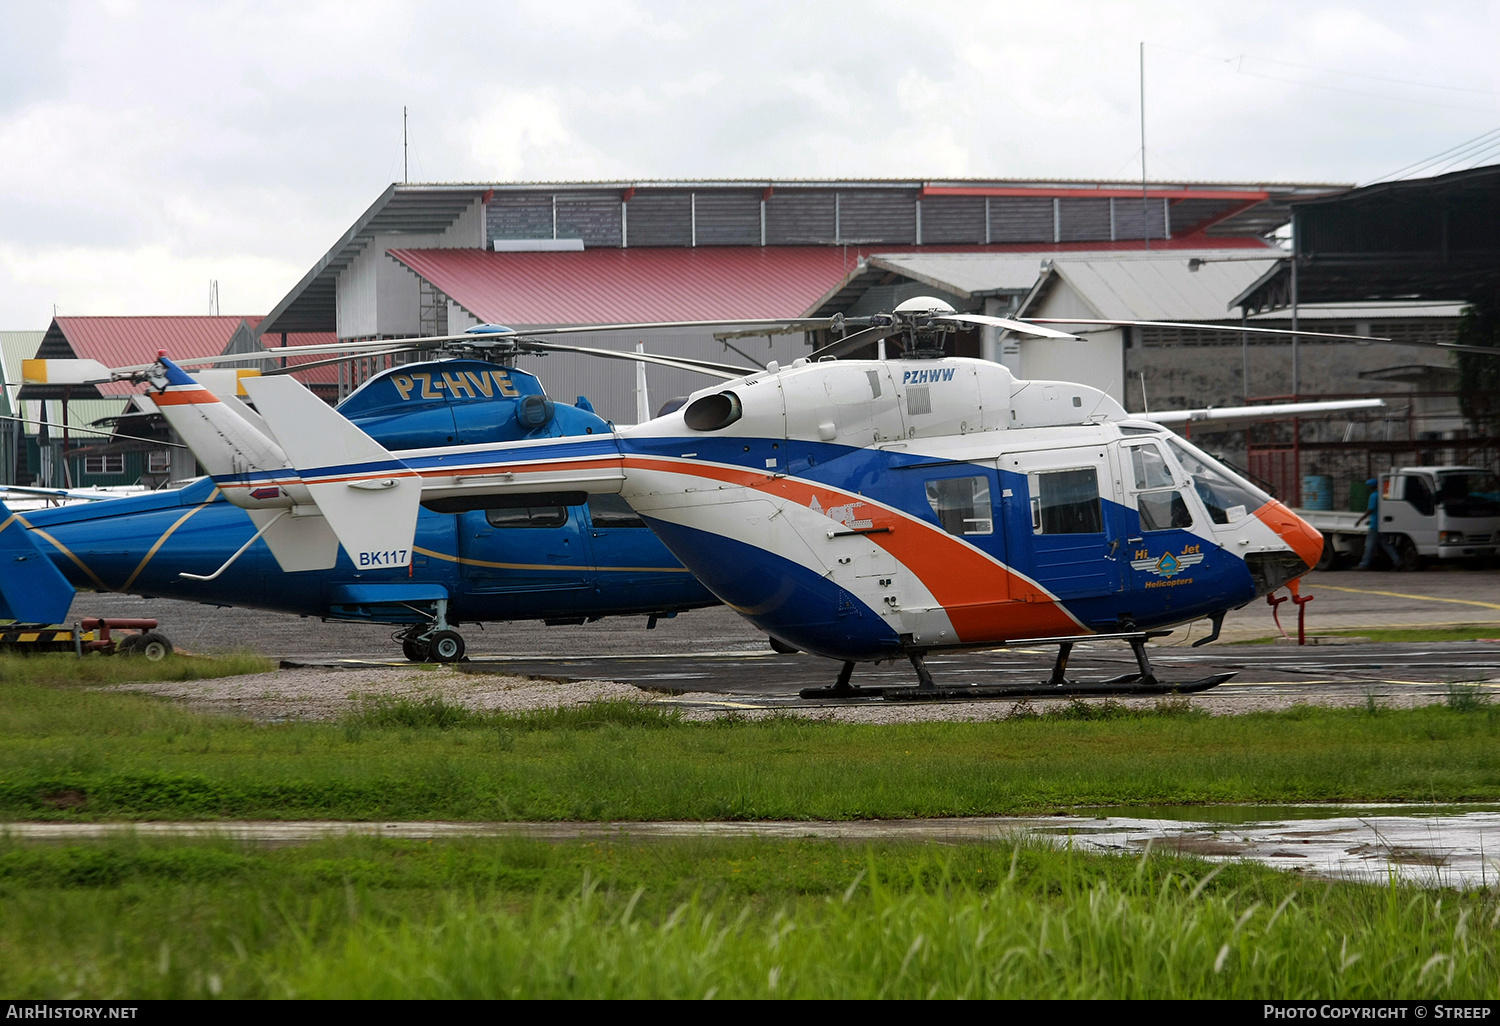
{"type": "Point", "coordinates": [1439, 846]}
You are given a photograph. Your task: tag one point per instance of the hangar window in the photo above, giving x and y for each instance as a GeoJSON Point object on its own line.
{"type": "Point", "coordinates": [612, 511]}
{"type": "Point", "coordinates": [527, 516]}
{"type": "Point", "coordinates": [1067, 502]}
{"type": "Point", "coordinates": [104, 464]}
{"type": "Point", "coordinates": [962, 505]}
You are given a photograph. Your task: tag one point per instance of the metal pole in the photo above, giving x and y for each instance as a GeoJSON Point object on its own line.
{"type": "Point", "coordinates": [1145, 212]}
{"type": "Point", "coordinates": [1296, 354]}
{"type": "Point", "coordinates": [1245, 355]}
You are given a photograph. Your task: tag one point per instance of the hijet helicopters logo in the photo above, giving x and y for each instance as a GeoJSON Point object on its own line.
{"type": "Point", "coordinates": [1167, 564]}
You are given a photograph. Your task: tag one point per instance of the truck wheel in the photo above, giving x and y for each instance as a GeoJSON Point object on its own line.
{"type": "Point", "coordinates": [1407, 557]}
{"type": "Point", "coordinates": [1329, 557]}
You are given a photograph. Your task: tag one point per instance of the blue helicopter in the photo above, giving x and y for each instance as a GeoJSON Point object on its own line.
{"type": "Point", "coordinates": [562, 556]}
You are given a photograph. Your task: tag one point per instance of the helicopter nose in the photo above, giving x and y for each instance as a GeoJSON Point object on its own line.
{"type": "Point", "coordinates": [1305, 540]}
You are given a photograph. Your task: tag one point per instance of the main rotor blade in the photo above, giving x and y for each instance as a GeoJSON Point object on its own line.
{"type": "Point", "coordinates": [1227, 416]}
{"type": "Point", "coordinates": [293, 368]}
{"type": "Point", "coordinates": [726, 371]}
{"type": "Point", "coordinates": [1450, 346]}
{"type": "Point", "coordinates": [849, 343]}
{"type": "Point", "coordinates": [1005, 322]}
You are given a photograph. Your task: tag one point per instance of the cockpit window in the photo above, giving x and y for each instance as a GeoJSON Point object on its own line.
{"type": "Point", "coordinates": [1228, 496]}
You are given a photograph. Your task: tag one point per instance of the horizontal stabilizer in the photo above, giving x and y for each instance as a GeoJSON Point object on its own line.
{"type": "Point", "coordinates": [32, 590]}
{"type": "Point", "coordinates": [298, 542]}
{"type": "Point", "coordinates": [368, 497]}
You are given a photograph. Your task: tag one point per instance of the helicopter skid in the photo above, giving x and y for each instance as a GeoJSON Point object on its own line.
{"type": "Point", "coordinates": [1129, 686]}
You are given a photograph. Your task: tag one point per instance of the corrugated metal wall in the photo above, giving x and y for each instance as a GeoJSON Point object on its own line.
{"type": "Point", "coordinates": [1083, 220]}
{"type": "Point", "coordinates": [725, 219]}
{"type": "Point", "coordinates": [953, 219]}
{"type": "Point", "coordinates": [800, 217]}
{"type": "Point", "coordinates": [661, 219]}
{"type": "Point", "coordinates": [879, 216]}
{"type": "Point", "coordinates": [592, 217]}
{"type": "Point", "coordinates": [1021, 219]}
{"type": "Point", "coordinates": [1129, 218]}
{"type": "Point", "coordinates": [519, 215]}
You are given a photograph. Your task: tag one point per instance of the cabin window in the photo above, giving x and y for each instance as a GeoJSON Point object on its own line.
{"type": "Point", "coordinates": [1160, 509]}
{"type": "Point", "coordinates": [1067, 502]}
{"type": "Point", "coordinates": [612, 511]}
{"type": "Point", "coordinates": [962, 505]}
{"type": "Point", "coordinates": [1163, 511]}
{"type": "Point", "coordinates": [104, 464]}
{"type": "Point", "coordinates": [527, 516]}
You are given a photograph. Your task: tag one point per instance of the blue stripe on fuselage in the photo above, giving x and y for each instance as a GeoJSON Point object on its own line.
{"type": "Point", "coordinates": [781, 597]}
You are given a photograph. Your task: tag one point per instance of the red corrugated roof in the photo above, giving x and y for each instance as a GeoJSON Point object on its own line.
{"type": "Point", "coordinates": [674, 284]}
{"type": "Point", "coordinates": [604, 285]}
{"type": "Point", "coordinates": [130, 341]}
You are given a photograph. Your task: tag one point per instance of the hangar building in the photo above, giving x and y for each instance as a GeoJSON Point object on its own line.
{"type": "Point", "coordinates": [432, 259]}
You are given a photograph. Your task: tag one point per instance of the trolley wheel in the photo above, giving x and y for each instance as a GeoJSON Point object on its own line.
{"type": "Point", "coordinates": [414, 650]}
{"type": "Point", "coordinates": [155, 646]}
{"type": "Point", "coordinates": [130, 644]}
{"type": "Point", "coordinates": [446, 647]}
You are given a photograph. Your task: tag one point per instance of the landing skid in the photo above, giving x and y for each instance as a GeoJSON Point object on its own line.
{"type": "Point", "coordinates": [1144, 682]}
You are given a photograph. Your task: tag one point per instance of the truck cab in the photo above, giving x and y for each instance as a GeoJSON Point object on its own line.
{"type": "Point", "coordinates": [1449, 512]}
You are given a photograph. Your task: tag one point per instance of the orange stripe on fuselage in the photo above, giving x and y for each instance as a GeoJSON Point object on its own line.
{"type": "Point", "coordinates": [967, 582]}
{"type": "Point", "coordinates": [191, 397]}
{"type": "Point", "coordinates": [1301, 537]}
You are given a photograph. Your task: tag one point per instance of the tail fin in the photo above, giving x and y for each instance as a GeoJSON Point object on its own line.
{"type": "Point", "coordinates": [31, 588]}
{"type": "Point", "coordinates": [225, 442]}
{"type": "Point", "coordinates": [368, 497]}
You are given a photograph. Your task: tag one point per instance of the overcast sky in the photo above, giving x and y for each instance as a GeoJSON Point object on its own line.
{"type": "Point", "coordinates": [146, 148]}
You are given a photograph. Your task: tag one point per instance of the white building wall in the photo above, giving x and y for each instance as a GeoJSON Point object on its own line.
{"type": "Point", "coordinates": [377, 296]}
{"type": "Point", "coordinates": [1099, 361]}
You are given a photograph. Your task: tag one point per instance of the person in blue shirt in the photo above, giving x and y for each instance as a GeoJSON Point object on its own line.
{"type": "Point", "coordinates": [1373, 539]}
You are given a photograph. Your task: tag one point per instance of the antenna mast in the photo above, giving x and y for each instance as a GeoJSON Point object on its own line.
{"type": "Point", "coordinates": [1145, 213]}
{"type": "Point", "coordinates": [406, 171]}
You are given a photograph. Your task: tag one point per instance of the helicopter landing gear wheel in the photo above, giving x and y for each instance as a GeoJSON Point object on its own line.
{"type": "Point", "coordinates": [446, 647]}
{"type": "Point", "coordinates": [414, 650]}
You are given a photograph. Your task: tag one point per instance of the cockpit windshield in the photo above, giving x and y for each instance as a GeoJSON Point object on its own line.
{"type": "Point", "coordinates": [1469, 493]}
{"type": "Point", "coordinates": [1228, 496]}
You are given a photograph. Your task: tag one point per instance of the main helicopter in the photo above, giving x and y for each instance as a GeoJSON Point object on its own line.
{"type": "Point", "coordinates": [859, 510]}
{"type": "Point", "coordinates": [564, 559]}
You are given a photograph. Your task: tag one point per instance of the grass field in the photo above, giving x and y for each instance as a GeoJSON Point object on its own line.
{"type": "Point", "coordinates": [71, 753]}
{"type": "Point", "coordinates": [362, 918]}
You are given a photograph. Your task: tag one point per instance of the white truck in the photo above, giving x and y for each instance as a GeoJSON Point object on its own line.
{"type": "Point", "coordinates": [1425, 513]}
